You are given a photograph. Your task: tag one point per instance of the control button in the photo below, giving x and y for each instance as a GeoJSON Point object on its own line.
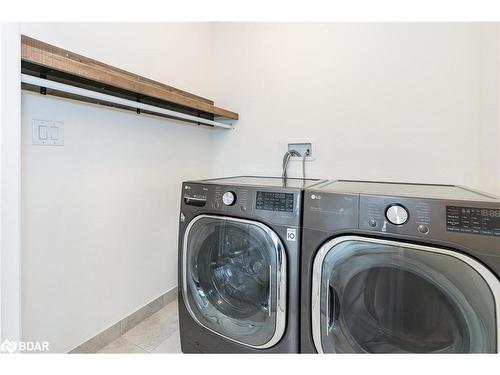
{"type": "Point", "coordinates": [372, 223]}
{"type": "Point", "coordinates": [424, 229]}
{"type": "Point", "coordinates": [397, 214]}
{"type": "Point", "coordinates": [42, 132]}
{"type": "Point", "coordinates": [229, 198]}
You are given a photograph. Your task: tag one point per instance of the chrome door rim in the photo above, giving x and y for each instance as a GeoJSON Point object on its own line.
{"type": "Point", "coordinates": [490, 279]}
{"type": "Point", "coordinates": [281, 280]}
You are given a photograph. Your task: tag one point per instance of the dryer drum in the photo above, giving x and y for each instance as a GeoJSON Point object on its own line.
{"type": "Point", "coordinates": [379, 296]}
{"type": "Point", "coordinates": [386, 316]}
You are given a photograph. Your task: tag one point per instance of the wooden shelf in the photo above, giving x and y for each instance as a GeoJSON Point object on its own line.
{"type": "Point", "coordinates": [54, 63]}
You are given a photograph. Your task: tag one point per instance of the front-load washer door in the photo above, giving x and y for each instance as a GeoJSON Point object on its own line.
{"type": "Point", "coordinates": [379, 296]}
{"type": "Point", "coordinates": [234, 279]}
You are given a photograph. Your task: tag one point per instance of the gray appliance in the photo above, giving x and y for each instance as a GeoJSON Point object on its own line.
{"type": "Point", "coordinates": [239, 259]}
{"type": "Point", "coordinates": [399, 268]}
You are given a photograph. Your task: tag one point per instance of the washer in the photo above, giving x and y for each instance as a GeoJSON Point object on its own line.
{"type": "Point", "coordinates": [399, 268]}
{"type": "Point", "coordinates": [239, 259]}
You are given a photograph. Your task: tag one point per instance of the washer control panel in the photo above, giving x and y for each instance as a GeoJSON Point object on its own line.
{"type": "Point", "coordinates": [274, 201]}
{"type": "Point", "coordinates": [278, 206]}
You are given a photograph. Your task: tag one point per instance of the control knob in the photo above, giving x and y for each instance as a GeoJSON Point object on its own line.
{"type": "Point", "coordinates": [228, 198]}
{"type": "Point", "coordinates": [397, 214]}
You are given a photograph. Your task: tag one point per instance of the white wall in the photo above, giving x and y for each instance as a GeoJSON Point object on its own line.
{"type": "Point", "coordinates": [489, 141]}
{"type": "Point", "coordinates": [382, 101]}
{"type": "Point", "coordinates": [100, 214]}
{"type": "Point", "coordinates": [10, 181]}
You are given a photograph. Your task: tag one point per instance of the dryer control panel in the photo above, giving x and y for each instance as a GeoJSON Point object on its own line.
{"type": "Point", "coordinates": [476, 224]}
{"type": "Point", "coordinates": [396, 215]}
{"type": "Point", "coordinates": [473, 220]}
{"type": "Point", "coordinates": [471, 224]}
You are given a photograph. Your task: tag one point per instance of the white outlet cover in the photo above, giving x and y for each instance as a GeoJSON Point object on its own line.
{"type": "Point", "coordinates": [48, 133]}
{"type": "Point", "coordinates": [299, 158]}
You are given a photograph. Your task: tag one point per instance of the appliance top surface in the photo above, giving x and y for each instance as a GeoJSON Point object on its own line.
{"type": "Point", "coordinates": [264, 181]}
{"type": "Point", "coordinates": [450, 192]}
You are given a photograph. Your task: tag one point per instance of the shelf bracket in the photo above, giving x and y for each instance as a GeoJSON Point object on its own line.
{"type": "Point", "coordinates": [43, 90]}
{"type": "Point", "coordinates": [138, 110]}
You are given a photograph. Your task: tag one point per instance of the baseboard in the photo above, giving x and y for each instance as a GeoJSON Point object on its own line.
{"type": "Point", "coordinates": [110, 334]}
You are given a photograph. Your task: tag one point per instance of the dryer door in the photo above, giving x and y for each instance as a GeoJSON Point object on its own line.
{"type": "Point", "coordinates": [378, 296]}
{"type": "Point", "coordinates": [234, 279]}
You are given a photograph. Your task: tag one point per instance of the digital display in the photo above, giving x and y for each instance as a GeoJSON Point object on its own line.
{"type": "Point", "coordinates": [274, 201]}
{"type": "Point", "coordinates": [484, 221]}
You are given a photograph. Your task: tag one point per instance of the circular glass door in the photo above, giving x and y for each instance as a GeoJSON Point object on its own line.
{"type": "Point", "coordinates": [378, 296]}
{"type": "Point", "coordinates": [234, 279]}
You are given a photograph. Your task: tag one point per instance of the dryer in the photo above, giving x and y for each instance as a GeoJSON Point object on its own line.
{"type": "Point", "coordinates": [239, 258]}
{"type": "Point", "coordinates": [400, 268]}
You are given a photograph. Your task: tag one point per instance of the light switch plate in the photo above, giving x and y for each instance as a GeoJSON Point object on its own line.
{"type": "Point", "coordinates": [48, 133]}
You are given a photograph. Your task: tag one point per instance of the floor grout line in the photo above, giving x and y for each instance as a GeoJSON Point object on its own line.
{"type": "Point", "coordinates": [168, 337]}
{"type": "Point", "coordinates": [95, 344]}
{"type": "Point", "coordinates": [158, 345]}
{"type": "Point", "coordinates": [137, 346]}
{"type": "Point", "coordinates": [147, 348]}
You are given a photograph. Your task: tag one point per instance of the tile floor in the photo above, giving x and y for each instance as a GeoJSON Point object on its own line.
{"type": "Point", "coordinates": [157, 334]}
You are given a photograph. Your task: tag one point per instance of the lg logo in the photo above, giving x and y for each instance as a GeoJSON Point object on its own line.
{"type": "Point", "coordinates": [291, 234]}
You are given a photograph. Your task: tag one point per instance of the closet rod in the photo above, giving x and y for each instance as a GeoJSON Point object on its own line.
{"type": "Point", "coordinates": [32, 80]}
